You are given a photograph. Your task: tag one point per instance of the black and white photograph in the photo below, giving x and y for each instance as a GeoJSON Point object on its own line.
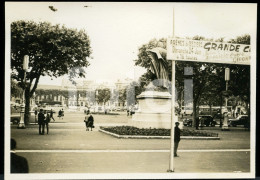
{"type": "Point", "coordinates": [130, 90]}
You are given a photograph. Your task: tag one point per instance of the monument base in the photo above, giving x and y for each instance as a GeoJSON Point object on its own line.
{"type": "Point", "coordinates": [151, 120]}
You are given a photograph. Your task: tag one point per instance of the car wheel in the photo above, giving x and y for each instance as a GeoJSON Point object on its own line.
{"type": "Point", "coordinates": [15, 121]}
{"type": "Point", "coordinates": [213, 124]}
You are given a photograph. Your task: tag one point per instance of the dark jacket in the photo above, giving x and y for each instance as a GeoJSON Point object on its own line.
{"type": "Point", "coordinates": [47, 119]}
{"type": "Point", "coordinates": [41, 118]}
{"type": "Point", "coordinates": [19, 164]}
{"type": "Point", "coordinates": [177, 134]}
{"type": "Point", "coordinates": [90, 121]}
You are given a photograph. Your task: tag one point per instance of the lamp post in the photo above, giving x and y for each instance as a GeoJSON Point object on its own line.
{"type": "Point", "coordinates": [21, 124]}
{"type": "Point", "coordinates": [227, 78]}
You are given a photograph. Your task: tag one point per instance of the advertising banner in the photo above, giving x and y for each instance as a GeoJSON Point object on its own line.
{"type": "Point", "coordinates": [207, 51]}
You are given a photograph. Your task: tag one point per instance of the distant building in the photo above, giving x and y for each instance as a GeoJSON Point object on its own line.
{"type": "Point", "coordinates": [81, 94]}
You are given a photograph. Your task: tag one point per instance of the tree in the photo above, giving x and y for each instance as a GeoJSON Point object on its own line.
{"type": "Point", "coordinates": [240, 75]}
{"type": "Point", "coordinates": [132, 90]}
{"type": "Point", "coordinates": [103, 95]}
{"type": "Point", "coordinates": [208, 78]}
{"type": "Point", "coordinates": [53, 51]}
{"type": "Point", "coordinates": [16, 91]}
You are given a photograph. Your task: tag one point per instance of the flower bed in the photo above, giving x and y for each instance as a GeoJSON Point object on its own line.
{"type": "Point", "coordinates": [130, 130]}
{"type": "Point", "coordinates": [108, 113]}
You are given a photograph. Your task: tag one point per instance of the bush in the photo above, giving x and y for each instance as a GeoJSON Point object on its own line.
{"type": "Point", "coordinates": [130, 130]}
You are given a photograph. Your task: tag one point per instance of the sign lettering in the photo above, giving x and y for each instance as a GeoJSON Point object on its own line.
{"type": "Point", "coordinates": [208, 51]}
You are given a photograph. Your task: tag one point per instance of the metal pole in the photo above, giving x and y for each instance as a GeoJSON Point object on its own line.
{"type": "Point", "coordinates": [226, 90]}
{"type": "Point", "coordinates": [171, 168]}
{"type": "Point", "coordinates": [21, 124]}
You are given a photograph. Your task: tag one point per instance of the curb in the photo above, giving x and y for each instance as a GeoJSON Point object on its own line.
{"type": "Point", "coordinates": [157, 137]}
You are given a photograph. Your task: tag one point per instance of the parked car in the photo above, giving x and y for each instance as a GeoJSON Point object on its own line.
{"type": "Point", "coordinates": [207, 120]}
{"type": "Point", "coordinates": [15, 118]}
{"type": "Point", "coordinates": [187, 122]}
{"type": "Point", "coordinates": [218, 118]}
{"type": "Point", "coordinates": [240, 120]}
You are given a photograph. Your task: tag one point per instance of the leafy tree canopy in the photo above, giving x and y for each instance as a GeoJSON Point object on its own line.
{"type": "Point", "coordinates": [53, 50]}
{"type": "Point", "coordinates": [208, 78]}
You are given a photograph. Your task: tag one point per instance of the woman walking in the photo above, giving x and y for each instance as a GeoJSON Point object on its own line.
{"type": "Point", "coordinates": [90, 123]}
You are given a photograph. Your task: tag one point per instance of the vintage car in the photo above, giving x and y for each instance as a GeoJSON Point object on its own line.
{"type": "Point", "coordinates": [187, 122]}
{"type": "Point", "coordinates": [240, 120]}
{"type": "Point", "coordinates": [207, 120]}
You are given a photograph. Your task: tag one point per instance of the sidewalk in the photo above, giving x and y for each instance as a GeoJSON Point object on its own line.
{"type": "Point", "coordinates": [69, 148]}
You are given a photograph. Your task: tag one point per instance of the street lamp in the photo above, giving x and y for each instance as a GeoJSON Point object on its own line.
{"type": "Point", "coordinates": [227, 78]}
{"type": "Point", "coordinates": [21, 124]}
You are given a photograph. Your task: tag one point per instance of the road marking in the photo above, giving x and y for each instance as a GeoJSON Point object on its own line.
{"type": "Point", "coordinates": [129, 151]}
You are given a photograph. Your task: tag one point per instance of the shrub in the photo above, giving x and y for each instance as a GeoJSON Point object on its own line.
{"type": "Point", "coordinates": [130, 130]}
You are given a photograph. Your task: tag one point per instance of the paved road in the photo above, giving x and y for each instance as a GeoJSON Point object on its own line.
{"type": "Point", "coordinates": [68, 148]}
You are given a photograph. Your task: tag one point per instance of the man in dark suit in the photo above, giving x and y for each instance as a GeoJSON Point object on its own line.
{"type": "Point", "coordinates": [177, 138]}
{"type": "Point", "coordinates": [19, 164]}
{"type": "Point", "coordinates": [41, 122]}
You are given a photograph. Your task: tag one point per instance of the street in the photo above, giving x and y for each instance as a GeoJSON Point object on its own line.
{"type": "Point", "coordinates": [69, 148]}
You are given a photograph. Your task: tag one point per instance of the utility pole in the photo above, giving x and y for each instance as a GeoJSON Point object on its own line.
{"type": "Point", "coordinates": [171, 166]}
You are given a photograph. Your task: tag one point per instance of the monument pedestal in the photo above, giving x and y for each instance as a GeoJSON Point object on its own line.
{"type": "Point", "coordinates": [154, 110]}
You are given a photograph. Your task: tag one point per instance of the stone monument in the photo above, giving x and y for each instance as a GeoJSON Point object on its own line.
{"type": "Point", "coordinates": [154, 110]}
{"type": "Point", "coordinates": [154, 104]}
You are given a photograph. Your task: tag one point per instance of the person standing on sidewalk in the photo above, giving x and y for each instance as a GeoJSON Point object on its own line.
{"type": "Point", "coordinates": [35, 113]}
{"type": "Point", "coordinates": [41, 123]}
{"type": "Point", "coordinates": [51, 115]}
{"type": "Point", "coordinates": [177, 138]}
{"type": "Point", "coordinates": [60, 113]}
{"type": "Point", "coordinates": [90, 122]}
{"type": "Point", "coordinates": [47, 120]}
{"type": "Point", "coordinates": [86, 121]}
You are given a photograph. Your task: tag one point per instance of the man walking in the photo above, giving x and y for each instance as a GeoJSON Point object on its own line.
{"type": "Point", "coordinates": [41, 122]}
{"type": "Point", "coordinates": [51, 115]}
{"type": "Point", "coordinates": [177, 138]}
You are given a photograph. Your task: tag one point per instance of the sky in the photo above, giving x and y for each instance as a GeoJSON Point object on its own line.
{"type": "Point", "coordinates": [118, 29]}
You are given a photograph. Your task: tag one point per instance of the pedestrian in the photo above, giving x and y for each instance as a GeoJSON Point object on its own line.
{"type": "Point", "coordinates": [86, 122]}
{"type": "Point", "coordinates": [90, 123]}
{"type": "Point", "coordinates": [41, 123]}
{"type": "Point", "coordinates": [47, 120]}
{"type": "Point", "coordinates": [35, 113]}
{"type": "Point", "coordinates": [60, 114]}
{"type": "Point", "coordinates": [177, 138]}
{"type": "Point", "coordinates": [19, 164]}
{"type": "Point", "coordinates": [51, 115]}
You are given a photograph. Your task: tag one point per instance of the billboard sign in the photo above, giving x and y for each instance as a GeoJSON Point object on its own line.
{"type": "Point", "coordinates": [208, 51]}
